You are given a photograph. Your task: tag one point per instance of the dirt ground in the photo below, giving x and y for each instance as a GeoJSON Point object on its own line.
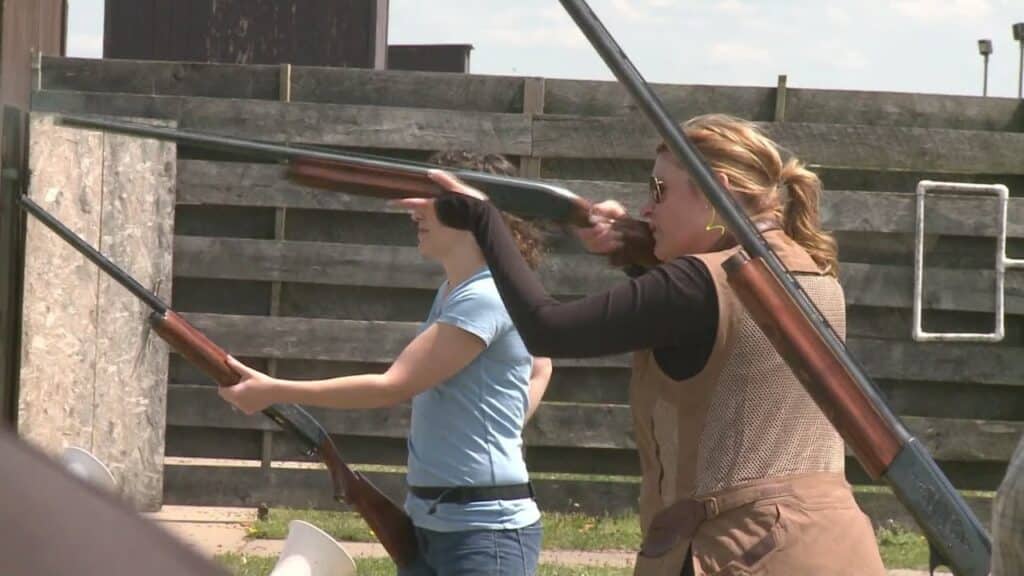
{"type": "Point", "coordinates": [214, 531]}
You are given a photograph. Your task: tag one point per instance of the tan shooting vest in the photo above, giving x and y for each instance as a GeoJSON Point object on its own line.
{"type": "Point", "coordinates": [738, 460]}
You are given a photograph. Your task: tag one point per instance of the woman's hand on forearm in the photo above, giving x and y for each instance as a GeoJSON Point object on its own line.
{"type": "Point", "coordinates": [254, 392]}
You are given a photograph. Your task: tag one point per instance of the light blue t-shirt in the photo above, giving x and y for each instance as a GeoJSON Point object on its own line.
{"type": "Point", "coordinates": [467, 431]}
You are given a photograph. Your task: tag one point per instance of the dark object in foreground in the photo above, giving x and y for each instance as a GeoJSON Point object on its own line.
{"type": "Point", "coordinates": [54, 523]}
{"type": "Point", "coordinates": [388, 521]}
{"type": "Point", "coordinates": [814, 352]}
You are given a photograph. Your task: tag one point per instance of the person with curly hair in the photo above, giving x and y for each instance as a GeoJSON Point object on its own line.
{"type": "Point", "coordinates": [473, 386]}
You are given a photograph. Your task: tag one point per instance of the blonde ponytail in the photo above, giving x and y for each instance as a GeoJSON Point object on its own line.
{"type": "Point", "coordinates": [801, 218]}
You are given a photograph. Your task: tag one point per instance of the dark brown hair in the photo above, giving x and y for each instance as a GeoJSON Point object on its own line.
{"type": "Point", "coordinates": [528, 237]}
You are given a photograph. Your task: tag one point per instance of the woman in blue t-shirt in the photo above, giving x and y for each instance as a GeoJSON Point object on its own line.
{"type": "Point", "coordinates": [473, 386]}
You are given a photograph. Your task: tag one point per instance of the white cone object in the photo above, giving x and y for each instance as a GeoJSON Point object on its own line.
{"type": "Point", "coordinates": [84, 465]}
{"type": "Point", "coordinates": [309, 551]}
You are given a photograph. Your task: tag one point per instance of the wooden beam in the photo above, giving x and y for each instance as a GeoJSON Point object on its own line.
{"type": "Point", "coordinates": [603, 98]}
{"type": "Point", "coordinates": [829, 145]}
{"type": "Point", "coordinates": [566, 274]}
{"type": "Point", "coordinates": [580, 426]}
{"type": "Point", "coordinates": [780, 99]}
{"type": "Point", "coordinates": [302, 122]}
{"type": "Point", "coordinates": [310, 84]}
{"type": "Point", "coordinates": [241, 184]}
{"type": "Point", "coordinates": [533, 103]}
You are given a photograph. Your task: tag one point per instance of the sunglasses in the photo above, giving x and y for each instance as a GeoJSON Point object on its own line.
{"type": "Point", "coordinates": [657, 186]}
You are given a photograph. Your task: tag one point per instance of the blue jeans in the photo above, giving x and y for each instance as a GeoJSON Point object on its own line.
{"type": "Point", "coordinates": [477, 552]}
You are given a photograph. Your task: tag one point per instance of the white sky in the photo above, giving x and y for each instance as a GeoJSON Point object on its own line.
{"type": "Point", "coordinates": [888, 45]}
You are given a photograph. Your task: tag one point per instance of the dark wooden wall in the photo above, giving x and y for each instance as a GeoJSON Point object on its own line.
{"type": "Point", "coordinates": [308, 284]}
{"type": "Point", "coordinates": [429, 57]}
{"type": "Point", "coordinates": [27, 28]}
{"type": "Point", "coordinates": [350, 33]}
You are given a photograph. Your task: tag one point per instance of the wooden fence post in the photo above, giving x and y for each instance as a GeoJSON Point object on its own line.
{"type": "Point", "coordinates": [780, 99]}
{"type": "Point", "coordinates": [533, 103]}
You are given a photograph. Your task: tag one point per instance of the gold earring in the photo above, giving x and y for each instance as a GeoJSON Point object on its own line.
{"type": "Point", "coordinates": [712, 226]}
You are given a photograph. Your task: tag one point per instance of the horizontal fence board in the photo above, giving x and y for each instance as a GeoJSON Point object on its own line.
{"type": "Point", "coordinates": [904, 109]}
{"type": "Point", "coordinates": [265, 185]}
{"type": "Point", "coordinates": [242, 444]}
{"type": "Point", "coordinates": [248, 81]}
{"type": "Point", "coordinates": [360, 265]}
{"type": "Point", "coordinates": [554, 424]}
{"type": "Point", "coordinates": [504, 93]}
{"type": "Point", "coordinates": [361, 341]}
{"type": "Point", "coordinates": [833, 145]}
{"type": "Point", "coordinates": [298, 488]}
{"type": "Point", "coordinates": [599, 426]}
{"type": "Point", "coordinates": [323, 124]}
{"type": "Point", "coordinates": [602, 98]}
{"type": "Point", "coordinates": [895, 323]}
{"type": "Point", "coordinates": [937, 362]}
{"type": "Point", "coordinates": [836, 146]}
{"type": "Point", "coordinates": [475, 92]}
{"type": "Point", "coordinates": [309, 83]}
{"type": "Point", "coordinates": [337, 340]}
{"type": "Point", "coordinates": [597, 98]}
{"type": "Point", "coordinates": [964, 290]}
{"type": "Point", "coordinates": [403, 267]}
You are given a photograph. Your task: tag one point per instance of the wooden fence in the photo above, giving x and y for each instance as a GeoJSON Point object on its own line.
{"type": "Point", "coordinates": [304, 283]}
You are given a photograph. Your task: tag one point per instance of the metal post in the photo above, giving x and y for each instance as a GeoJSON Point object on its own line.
{"type": "Point", "coordinates": [1019, 37]}
{"type": "Point", "coordinates": [984, 48]}
{"type": "Point", "coordinates": [984, 82]}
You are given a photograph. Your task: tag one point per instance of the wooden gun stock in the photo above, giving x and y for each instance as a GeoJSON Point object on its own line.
{"type": "Point", "coordinates": [392, 526]}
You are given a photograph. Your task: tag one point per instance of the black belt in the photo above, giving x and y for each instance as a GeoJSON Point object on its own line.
{"type": "Point", "coordinates": [467, 494]}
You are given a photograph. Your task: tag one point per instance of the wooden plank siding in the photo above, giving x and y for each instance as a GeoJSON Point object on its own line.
{"type": "Point", "coordinates": [348, 287]}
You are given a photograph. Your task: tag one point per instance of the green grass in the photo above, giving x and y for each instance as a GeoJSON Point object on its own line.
{"type": "Point", "coordinates": [561, 531]}
{"type": "Point", "coordinates": [241, 565]}
{"type": "Point", "coordinates": [900, 548]}
{"type": "Point", "coordinates": [581, 532]}
{"type": "Point", "coordinates": [345, 526]}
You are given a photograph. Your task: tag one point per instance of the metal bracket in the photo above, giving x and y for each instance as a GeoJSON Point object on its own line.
{"type": "Point", "coordinates": [1002, 261]}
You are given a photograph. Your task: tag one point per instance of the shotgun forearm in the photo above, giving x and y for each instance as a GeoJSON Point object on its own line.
{"type": "Point", "coordinates": [525, 198]}
{"type": "Point", "coordinates": [387, 520]}
{"type": "Point", "coordinates": [882, 445]}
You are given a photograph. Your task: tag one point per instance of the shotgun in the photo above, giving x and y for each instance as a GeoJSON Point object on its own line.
{"type": "Point", "coordinates": [815, 353]}
{"type": "Point", "coordinates": [379, 176]}
{"type": "Point", "coordinates": [388, 521]}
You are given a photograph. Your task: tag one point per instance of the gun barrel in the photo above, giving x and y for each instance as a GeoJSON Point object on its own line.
{"type": "Point", "coordinates": [326, 169]}
{"type": "Point", "coordinates": [94, 255]}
